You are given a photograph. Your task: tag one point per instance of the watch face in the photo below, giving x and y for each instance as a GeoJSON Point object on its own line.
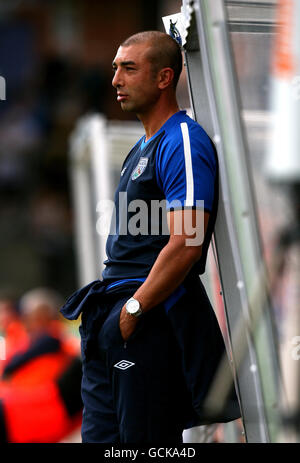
{"type": "Point", "coordinates": [133, 306]}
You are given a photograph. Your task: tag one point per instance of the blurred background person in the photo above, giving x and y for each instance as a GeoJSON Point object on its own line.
{"type": "Point", "coordinates": [40, 388]}
{"type": "Point", "coordinates": [14, 337]}
{"type": "Point", "coordinates": [50, 346]}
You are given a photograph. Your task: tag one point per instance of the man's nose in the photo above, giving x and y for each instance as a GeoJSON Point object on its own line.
{"type": "Point", "coordinates": [117, 79]}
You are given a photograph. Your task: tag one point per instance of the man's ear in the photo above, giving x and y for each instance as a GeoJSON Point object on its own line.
{"type": "Point", "coordinates": [165, 78]}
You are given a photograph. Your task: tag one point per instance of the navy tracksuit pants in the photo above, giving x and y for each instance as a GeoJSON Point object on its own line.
{"type": "Point", "coordinates": [150, 388]}
{"type": "Point", "coordinates": [134, 391]}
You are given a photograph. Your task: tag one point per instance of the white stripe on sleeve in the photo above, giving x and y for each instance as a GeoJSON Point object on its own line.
{"type": "Point", "coordinates": [189, 200]}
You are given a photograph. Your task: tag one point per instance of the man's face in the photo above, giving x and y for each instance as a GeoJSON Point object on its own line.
{"type": "Point", "coordinates": [134, 79]}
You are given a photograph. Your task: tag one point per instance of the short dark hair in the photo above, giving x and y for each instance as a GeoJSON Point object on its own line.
{"type": "Point", "coordinates": [164, 52]}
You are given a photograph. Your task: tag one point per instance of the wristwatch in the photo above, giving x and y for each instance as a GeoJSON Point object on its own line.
{"type": "Point", "coordinates": [133, 307]}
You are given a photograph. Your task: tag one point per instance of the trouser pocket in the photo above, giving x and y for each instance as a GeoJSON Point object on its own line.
{"type": "Point", "coordinates": [91, 323]}
{"type": "Point", "coordinates": [109, 335]}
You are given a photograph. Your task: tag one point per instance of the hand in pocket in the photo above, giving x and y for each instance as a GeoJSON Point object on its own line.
{"type": "Point", "coordinates": [127, 324]}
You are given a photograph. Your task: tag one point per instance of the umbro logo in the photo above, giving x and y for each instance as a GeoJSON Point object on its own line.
{"type": "Point", "coordinates": [124, 364]}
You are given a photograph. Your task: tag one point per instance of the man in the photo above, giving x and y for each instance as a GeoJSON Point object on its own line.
{"type": "Point", "coordinates": [150, 340]}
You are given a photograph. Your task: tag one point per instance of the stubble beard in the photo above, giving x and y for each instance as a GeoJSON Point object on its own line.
{"type": "Point", "coordinates": [130, 107]}
{"type": "Point", "coordinates": [138, 109]}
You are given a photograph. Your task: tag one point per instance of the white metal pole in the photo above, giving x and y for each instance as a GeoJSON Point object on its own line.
{"type": "Point", "coordinates": [83, 217]}
{"type": "Point", "coordinates": [101, 173]}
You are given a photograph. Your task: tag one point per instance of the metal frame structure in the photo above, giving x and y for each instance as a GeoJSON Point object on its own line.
{"type": "Point", "coordinates": [213, 86]}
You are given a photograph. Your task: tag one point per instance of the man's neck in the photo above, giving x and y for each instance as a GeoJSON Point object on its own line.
{"type": "Point", "coordinates": [156, 117]}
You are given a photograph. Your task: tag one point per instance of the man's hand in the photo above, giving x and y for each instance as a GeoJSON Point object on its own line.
{"type": "Point", "coordinates": [127, 323]}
